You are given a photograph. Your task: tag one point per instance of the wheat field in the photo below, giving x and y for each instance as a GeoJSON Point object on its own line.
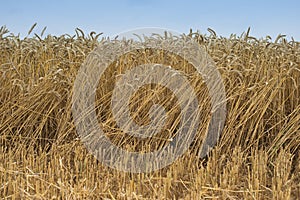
{"type": "Point", "coordinates": [257, 155]}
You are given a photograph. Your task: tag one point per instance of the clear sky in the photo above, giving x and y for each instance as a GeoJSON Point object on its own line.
{"type": "Point", "coordinates": [265, 17]}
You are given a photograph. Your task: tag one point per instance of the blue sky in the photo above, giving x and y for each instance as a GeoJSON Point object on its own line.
{"type": "Point", "coordinates": [269, 17]}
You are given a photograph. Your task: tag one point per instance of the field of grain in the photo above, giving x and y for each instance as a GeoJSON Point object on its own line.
{"type": "Point", "coordinates": [42, 157]}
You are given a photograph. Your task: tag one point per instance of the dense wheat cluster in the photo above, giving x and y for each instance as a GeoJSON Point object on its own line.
{"type": "Point", "coordinates": [42, 157]}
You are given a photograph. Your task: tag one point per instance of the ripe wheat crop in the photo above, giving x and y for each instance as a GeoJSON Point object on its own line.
{"type": "Point", "coordinates": [257, 155]}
